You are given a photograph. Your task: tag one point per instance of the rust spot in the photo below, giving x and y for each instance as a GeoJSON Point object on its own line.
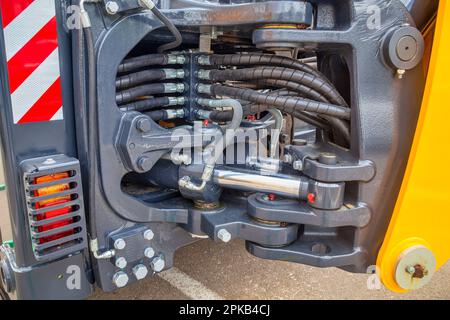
{"type": "Point", "coordinates": [419, 271]}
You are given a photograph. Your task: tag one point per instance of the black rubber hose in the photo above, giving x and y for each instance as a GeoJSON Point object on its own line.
{"type": "Point", "coordinates": [286, 104]}
{"type": "Point", "coordinates": [262, 60]}
{"type": "Point", "coordinates": [317, 83]}
{"type": "Point", "coordinates": [146, 105]}
{"type": "Point", "coordinates": [157, 115]}
{"type": "Point", "coordinates": [140, 91]}
{"type": "Point", "coordinates": [92, 127]}
{"type": "Point", "coordinates": [303, 90]}
{"type": "Point", "coordinates": [132, 64]}
{"type": "Point", "coordinates": [133, 79]}
{"type": "Point", "coordinates": [173, 30]}
{"type": "Point", "coordinates": [340, 127]}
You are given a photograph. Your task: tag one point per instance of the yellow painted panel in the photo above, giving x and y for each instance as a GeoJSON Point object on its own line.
{"type": "Point", "coordinates": [422, 212]}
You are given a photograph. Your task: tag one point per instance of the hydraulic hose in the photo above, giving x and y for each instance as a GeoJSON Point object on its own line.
{"type": "Point", "coordinates": [133, 79]}
{"type": "Point", "coordinates": [145, 61]}
{"type": "Point", "coordinates": [92, 115]}
{"type": "Point", "coordinates": [300, 89]}
{"type": "Point", "coordinates": [153, 103]}
{"type": "Point", "coordinates": [169, 25]}
{"type": "Point", "coordinates": [257, 59]}
{"type": "Point", "coordinates": [148, 90]}
{"type": "Point", "coordinates": [224, 141]}
{"type": "Point", "coordinates": [317, 83]}
{"type": "Point", "coordinates": [167, 114]}
{"type": "Point", "coordinates": [286, 104]}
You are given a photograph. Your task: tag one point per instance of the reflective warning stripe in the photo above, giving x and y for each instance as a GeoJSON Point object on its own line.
{"type": "Point", "coordinates": [31, 44]}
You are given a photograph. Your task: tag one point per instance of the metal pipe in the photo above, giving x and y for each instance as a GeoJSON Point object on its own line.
{"type": "Point", "coordinates": [284, 186]}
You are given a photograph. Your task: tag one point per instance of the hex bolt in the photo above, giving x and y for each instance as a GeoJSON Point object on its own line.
{"type": "Point", "coordinates": [297, 165]}
{"type": "Point", "coordinates": [224, 235]}
{"type": "Point", "coordinates": [157, 264]}
{"type": "Point", "coordinates": [400, 73]}
{"type": "Point", "coordinates": [112, 7]}
{"type": "Point", "coordinates": [144, 163]}
{"type": "Point", "coordinates": [120, 279]}
{"type": "Point", "coordinates": [327, 158]}
{"type": "Point", "coordinates": [410, 270]}
{"type": "Point", "coordinates": [288, 158]}
{"type": "Point", "coordinates": [119, 244]}
{"type": "Point", "coordinates": [148, 234]}
{"type": "Point", "coordinates": [121, 262]}
{"type": "Point", "coordinates": [149, 252]}
{"type": "Point", "coordinates": [143, 125]}
{"type": "Point", "coordinates": [140, 271]}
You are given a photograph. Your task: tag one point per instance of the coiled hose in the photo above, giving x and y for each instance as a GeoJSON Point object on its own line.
{"type": "Point", "coordinates": [316, 83]}
{"type": "Point", "coordinates": [286, 104]}
{"type": "Point", "coordinates": [261, 60]}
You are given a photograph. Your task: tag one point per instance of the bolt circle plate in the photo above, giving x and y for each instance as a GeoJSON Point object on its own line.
{"type": "Point", "coordinates": [414, 256]}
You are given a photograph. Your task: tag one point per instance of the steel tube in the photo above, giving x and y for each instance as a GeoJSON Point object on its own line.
{"type": "Point", "coordinates": [284, 186]}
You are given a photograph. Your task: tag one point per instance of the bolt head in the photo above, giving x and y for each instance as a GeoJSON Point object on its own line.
{"type": "Point", "coordinates": [149, 252]}
{"type": "Point", "coordinates": [140, 271]}
{"type": "Point", "coordinates": [120, 279]}
{"type": "Point", "coordinates": [158, 264]}
{"type": "Point", "coordinates": [297, 165]}
{"type": "Point", "coordinates": [224, 235]}
{"type": "Point", "coordinates": [143, 125]}
{"type": "Point", "coordinates": [121, 262]}
{"type": "Point", "coordinates": [148, 235]}
{"type": "Point", "coordinates": [120, 244]}
{"type": "Point", "coordinates": [328, 158]}
{"type": "Point", "coordinates": [112, 7]}
{"type": "Point", "coordinates": [144, 163]}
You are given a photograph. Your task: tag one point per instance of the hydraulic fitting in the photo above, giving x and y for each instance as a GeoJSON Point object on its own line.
{"type": "Point", "coordinates": [177, 101]}
{"type": "Point", "coordinates": [204, 60]}
{"type": "Point", "coordinates": [174, 73]}
{"type": "Point", "coordinates": [176, 59]}
{"type": "Point", "coordinates": [204, 74]}
{"type": "Point", "coordinates": [174, 87]}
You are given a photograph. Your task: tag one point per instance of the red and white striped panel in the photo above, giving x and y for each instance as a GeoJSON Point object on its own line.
{"type": "Point", "coordinates": [31, 42]}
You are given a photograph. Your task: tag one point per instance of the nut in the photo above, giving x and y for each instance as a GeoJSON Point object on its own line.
{"type": "Point", "coordinates": [120, 279]}
{"type": "Point", "coordinates": [119, 244]}
{"type": "Point", "coordinates": [121, 262]}
{"type": "Point", "coordinates": [148, 234]}
{"type": "Point", "coordinates": [149, 252]}
{"type": "Point", "coordinates": [158, 264]}
{"type": "Point", "coordinates": [140, 271]}
{"type": "Point", "coordinates": [297, 165]}
{"type": "Point", "coordinates": [224, 235]}
{"type": "Point", "coordinates": [144, 163]}
{"type": "Point", "coordinates": [112, 7]}
{"type": "Point", "coordinates": [143, 125]}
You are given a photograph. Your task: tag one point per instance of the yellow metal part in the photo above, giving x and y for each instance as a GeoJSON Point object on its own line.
{"type": "Point", "coordinates": [422, 213]}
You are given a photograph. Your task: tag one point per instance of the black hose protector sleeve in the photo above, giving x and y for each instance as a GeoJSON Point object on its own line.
{"type": "Point", "coordinates": [142, 62]}
{"type": "Point", "coordinates": [133, 93]}
{"type": "Point", "coordinates": [318, 84]}
{"type": "Point", "coordinates": [146, 105]}
{"type": "Point", "coordinates": [308, 118]}
{"type": "Point", "coordinates": [133, 79]}
{"type": "Point", "coordinates": [257, 73]}
{"type": "Point", "coordinates": [173, 30]}
{"type": "Point", "coordinates": [262, 59]}
{"type": "Point", "coordinates": [303, 90]}
{"type": "Point", "coordinates": [286, 104]}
